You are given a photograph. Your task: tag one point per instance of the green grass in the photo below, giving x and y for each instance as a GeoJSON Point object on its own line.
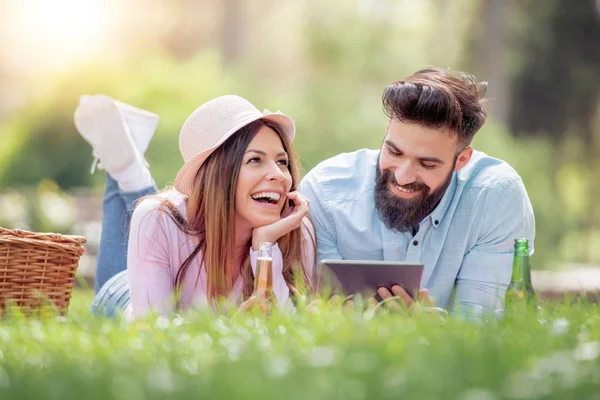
{"type": "Point", "coordinates": [324, 355]}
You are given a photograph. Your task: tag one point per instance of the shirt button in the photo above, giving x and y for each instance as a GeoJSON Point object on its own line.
{"type": "Point", "coordinates": [416, 242]}
{"type": "Point", "coordinates": [436, 222]}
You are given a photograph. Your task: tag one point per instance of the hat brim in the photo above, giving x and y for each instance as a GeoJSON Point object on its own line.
{"type": "Point", "coordinates": [184, 182]}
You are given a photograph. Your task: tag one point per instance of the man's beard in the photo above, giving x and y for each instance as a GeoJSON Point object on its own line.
{"type": "Point", "coordinates": [403, 215]}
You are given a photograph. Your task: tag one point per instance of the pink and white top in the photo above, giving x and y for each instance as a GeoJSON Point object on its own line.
{"type": "Point", "coordinates": [158, 248]}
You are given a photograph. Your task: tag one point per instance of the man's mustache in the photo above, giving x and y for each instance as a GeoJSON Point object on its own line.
{"type": "Point", "coordinates": [415, 186]}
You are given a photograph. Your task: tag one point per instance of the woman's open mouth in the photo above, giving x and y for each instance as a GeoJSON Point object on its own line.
{"type": "Point", "coordinates": [267, 199]}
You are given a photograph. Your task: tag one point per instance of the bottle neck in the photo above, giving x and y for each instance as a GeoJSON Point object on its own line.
{"type": "Point", "coordinates": [521, 270]}
{"type": "Point", "coordinates": [265, 250]}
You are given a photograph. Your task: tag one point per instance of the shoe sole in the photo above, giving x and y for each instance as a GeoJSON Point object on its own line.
{"type": "Point", "coordinates": [100, 123]}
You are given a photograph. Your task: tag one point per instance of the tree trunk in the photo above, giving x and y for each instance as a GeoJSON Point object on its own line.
{"type": "Point", "coordinates": [492, 56]}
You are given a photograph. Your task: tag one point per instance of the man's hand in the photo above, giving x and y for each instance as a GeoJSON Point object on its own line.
{"type": "Point", "coordinates": [334, 301]}
{"type": "Point", "coordinates": [397, 300]}
{"type": "Point", "coordinates": [403, 299]}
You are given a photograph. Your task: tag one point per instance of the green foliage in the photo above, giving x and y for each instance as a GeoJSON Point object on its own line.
{"type": "Point", "coordinates": [42, 140]}
{"type": "Point", "coordinates": [326, 354]}
{"type": "Point", "coordinates": [330, 82]}
{"type": "Point", "coordinates": [42, 209]}
{"type": "Point", "coordinates": [558, 83]}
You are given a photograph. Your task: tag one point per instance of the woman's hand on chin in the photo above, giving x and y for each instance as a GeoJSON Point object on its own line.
{"type": "Point", "coordinates": [291, 218]}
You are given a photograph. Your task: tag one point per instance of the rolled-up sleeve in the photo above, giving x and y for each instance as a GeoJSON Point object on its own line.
{"type": "Point", "coordinates": [486, 269]}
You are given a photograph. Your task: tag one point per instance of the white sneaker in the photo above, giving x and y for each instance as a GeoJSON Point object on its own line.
{"type": "Point", "coordinates": [141, 124]}
{"type": "Point", "coordinates": [100, 123]}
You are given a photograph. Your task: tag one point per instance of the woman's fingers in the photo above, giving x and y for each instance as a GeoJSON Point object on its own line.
{"type": "Point", "coordinates": [286, 213]}
{"type": "Point", "coordinates": [258, 299]}
{"type": "Point", "coordinates": [248, 304]}
{"type": "Point", "coordinates": [300, 202]}
{"type": "Point", "coordinates": [294, 291]}
{"type": "Point", "coordinates": [297, 198]}
{"type": "Point", "coordinates": [291, 218]}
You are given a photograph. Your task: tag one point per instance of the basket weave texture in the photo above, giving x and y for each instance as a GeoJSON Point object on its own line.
{"type": "Point", "coordinates": [37, 267]}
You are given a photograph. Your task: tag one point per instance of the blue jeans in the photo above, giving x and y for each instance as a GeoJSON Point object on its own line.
{"type": "Point", "coordinates": [111, 286]}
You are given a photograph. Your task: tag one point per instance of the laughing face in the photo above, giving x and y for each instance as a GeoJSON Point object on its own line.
{"type": "Point", "coordinates": [416, 164]}
{"type": "Point", "coordinates": [263, 182]}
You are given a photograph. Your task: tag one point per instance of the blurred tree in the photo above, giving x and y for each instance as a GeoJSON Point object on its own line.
{"type": "Point", "coordinates": [487, 52]}
{"type": "Point", "coordinates": [557, 86]}
{"type": "Point", "coordinates": [492, 56]}
{"type": "Point", "coordinates": [6, 83]}
{"type": "Point", "coordinates": [325, 64]}
{"type": "Point", "coordinates": [187, 26]}
{"type": "Point", "coordinates": [556, 90]}
{"type": "Point", "coordinates": [46, 148]}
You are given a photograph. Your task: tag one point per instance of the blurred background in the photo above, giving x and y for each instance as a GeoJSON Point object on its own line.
{"type": "Point", "coordinates": [323, 62]}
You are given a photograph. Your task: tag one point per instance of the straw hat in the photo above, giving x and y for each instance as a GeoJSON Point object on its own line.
{"type": "Point", "coordinates": [213, 123]}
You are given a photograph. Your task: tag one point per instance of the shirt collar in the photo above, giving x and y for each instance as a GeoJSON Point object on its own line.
{"type": "Point", "coordinates": [439, 212]}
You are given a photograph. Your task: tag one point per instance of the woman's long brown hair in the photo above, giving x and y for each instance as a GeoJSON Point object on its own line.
{"type": "Point", "coordinates": [211, 219]}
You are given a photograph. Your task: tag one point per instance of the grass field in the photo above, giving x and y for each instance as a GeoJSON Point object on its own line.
{"type": "Point", "coordinates": [323, 355]}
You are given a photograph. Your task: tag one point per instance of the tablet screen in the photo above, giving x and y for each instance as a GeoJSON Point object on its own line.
{"type": "Point", "coordinates": [365, 277]}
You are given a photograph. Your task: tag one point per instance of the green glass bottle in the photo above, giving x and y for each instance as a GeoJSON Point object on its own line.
{"type": "Point", "coordinates": [520, 294]}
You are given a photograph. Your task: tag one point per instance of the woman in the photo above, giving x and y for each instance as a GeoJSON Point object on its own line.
{"type": "Point", "coordinates": [197, 242]}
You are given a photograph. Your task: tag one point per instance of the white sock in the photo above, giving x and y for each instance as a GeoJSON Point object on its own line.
{"type": "Point", "coordinates": [134, 178]}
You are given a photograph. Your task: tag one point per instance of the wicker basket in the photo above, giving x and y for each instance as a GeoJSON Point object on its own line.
{"type": "Point", "coordinates": [38, 268]}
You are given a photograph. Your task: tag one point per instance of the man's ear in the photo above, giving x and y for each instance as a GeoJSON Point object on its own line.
{"type": "Point", "coordinates": [463, 158]}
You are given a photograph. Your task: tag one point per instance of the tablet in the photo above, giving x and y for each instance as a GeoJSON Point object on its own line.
{"type": "Point", "coordinates": [365, 277]}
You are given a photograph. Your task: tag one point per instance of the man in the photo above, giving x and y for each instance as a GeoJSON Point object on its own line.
{"type": "Point", "coordinates": [426, 196]}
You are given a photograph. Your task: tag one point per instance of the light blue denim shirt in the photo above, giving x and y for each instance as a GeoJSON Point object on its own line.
{"type": "Point", "coordinates": [466, 243]}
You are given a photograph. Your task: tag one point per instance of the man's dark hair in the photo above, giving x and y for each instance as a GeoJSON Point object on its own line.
{"type": "Point", "coordinates": [437, 98]}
